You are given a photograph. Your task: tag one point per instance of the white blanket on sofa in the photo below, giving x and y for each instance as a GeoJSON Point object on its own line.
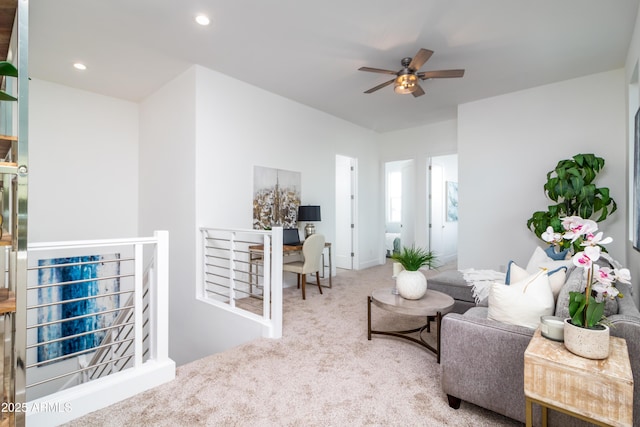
{"type": "Point", "coordinates": [481, 281]}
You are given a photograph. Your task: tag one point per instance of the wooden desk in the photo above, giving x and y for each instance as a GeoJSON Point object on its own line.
{"type": "Point", "coordinates": [597, 391]}
{"type": "Point", "coordinates": [292, 250]}
{"type": "Point", "coordinates": [7, 301]}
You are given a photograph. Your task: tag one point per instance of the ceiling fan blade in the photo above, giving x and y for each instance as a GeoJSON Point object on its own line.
{"type": "Point", "coordinates": [418, 92]}
{"type": "Point", "coordinates": [378, 70]}
{"type": "Point", "coordinates": [441, 74]}
{"type": "Point", "coordinates": [421, 57]}
{"type": "Point", "coordinates": [380, 86]}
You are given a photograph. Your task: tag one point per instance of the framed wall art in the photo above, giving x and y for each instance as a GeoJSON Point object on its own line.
{"type": "Point", "coordinates": [636, 183]}
{"type": "Point", "coordinates": [76, 280]}
{"type": "Point", "coordinates": [276, 197]}
{"type": "Point", "coordinates": [452, 201]}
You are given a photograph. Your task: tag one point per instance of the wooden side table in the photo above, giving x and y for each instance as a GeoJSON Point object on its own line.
{"type": "Point", "coordinates": [597, 391]}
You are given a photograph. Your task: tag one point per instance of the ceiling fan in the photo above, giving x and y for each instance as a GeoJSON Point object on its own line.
{"type": "Point", "coordinates": [406, 80]}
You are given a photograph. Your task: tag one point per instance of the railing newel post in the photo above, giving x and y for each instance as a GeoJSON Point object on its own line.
{"type": "Point", "coordinates": [138, 304]}
{"type": "Point", "coordinates": [161, 300]}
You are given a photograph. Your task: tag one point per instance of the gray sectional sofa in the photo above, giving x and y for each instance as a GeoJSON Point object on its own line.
{"type": "Point", "coordinates": [482, 360]}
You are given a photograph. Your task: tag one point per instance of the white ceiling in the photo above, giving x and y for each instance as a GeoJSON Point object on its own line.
{"type": "Point", "coordinates": [310, 52]}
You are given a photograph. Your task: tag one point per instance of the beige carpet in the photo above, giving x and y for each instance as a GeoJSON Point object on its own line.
{"type": "Point", "coordinates": [323, 372]}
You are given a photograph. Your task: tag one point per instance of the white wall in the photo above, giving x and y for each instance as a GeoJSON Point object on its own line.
{"type": "Point", "coordinates": [240, 126]}
{"type": "Point", "coordinates": [83, 163]}
{"type": "Point", "coordinates": [507, 144]}
{"type": "Point", "coordinates": [167, 202]}
{"type": "Point", "coordinates": [633, 102]}
{"type": "Point", "coordinates": [184, 157]}
{"type": "Point", "coordinates": [419, 143]}
{"type": "Point", "coordinates": [200, 137]}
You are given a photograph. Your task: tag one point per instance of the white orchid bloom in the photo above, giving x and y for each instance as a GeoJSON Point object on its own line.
{"type": "Point", "coordinates": [577, 227]}
{"type": "Point", "coordinates": [622, 275]}
{"type": "Point", "coordinates": [593, 252]}
{"type": "Point", "coordinates": [581, 259]}
{"type": "Point", "coordinates": [597, 239]}
{"type": "Point", "coordinates": [568, 221]}
{"type": "Point", "coordinates": [551, 236]}
{"type": "Point", "coordinates": [604, 291]}
{"type": "Point", "coordinates": [603, 275]}
{"type": "Point", "coordinates": [589, 226]}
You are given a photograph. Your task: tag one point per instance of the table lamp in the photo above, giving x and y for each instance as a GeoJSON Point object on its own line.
{"type": "Point", "coordinates": [309, 214]}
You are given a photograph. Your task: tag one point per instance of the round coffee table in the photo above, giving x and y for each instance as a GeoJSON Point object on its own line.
{"type": "Point", "coordinates": [433, 305]}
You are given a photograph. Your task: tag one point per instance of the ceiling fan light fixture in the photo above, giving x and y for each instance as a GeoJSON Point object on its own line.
{"type": "Point", "coordinates": [406, 83]}
{"type": "Point", "coordinates": [203, 20]}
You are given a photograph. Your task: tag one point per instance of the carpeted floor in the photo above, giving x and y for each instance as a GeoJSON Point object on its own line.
{"type": "Point", "coordinates": [323, 372]}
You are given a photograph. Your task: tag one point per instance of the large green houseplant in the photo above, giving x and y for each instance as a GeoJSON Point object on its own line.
{"type": "Point", "coordinates": [571, 186]}
{"type": "Point", "coordinates": [7, 69]}
{"type": "Point", "coordinates": [410, 282]}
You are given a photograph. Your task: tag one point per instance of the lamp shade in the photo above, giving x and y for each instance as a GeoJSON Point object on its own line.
{"type": "Point", "coordinates": [406, 83]}
{"type": "Point", "coordinates": [309, 213]}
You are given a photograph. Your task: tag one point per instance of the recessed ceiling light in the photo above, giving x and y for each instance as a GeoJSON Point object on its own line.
{"type": "Point", "coordinates": [79, 66]}
{"type": "Point", "coordinates": [202, 19]}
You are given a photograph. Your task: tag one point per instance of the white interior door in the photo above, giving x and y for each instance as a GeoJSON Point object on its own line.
{"type": "Point", "coordinates": [436, 200]}
{"type": "Point", "coordinates": [345, 212]}
{"type": "Point", "coordinates": [443, 212]}
{"type": "Point", "coordinates": [407, 230]}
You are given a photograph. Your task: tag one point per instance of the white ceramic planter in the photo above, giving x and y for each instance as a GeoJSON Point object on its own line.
{"type": "Point", "coordinates": [411, 284]}
{"type": "Point", "coordinates": [585, 342]}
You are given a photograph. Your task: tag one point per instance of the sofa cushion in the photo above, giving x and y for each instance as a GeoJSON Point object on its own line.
{"type": "Point", "coordinates": [521, 303]}
{"type": "Point", "coordinates": [452, 283]}
{"type": "Point", "coordinates": [557, 277]}
{"type": "Point", "coordinates": [539, 259]}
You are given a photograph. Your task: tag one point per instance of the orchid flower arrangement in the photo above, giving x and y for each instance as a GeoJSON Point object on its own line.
{"type": "Point", "coordinates": [587, 309]}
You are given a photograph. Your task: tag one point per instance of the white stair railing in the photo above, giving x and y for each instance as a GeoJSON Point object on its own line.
{"type": "Point", "coordinates": [113, 344]}
{"type": "Point", "coordinates": [242, 274]}
{"type": "Point", "coordinates": [95, 301]}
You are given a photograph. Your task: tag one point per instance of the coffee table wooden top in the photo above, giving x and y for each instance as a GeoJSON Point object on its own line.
{"type": "Point", "coordinates": [429, 305]}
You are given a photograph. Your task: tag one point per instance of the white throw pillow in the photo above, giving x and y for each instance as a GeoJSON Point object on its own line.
{"type": "Point", "coordinates": [521, 303]}
{"type": "Point", "coordinates": [540, 259]}
{"type": "Point", "coordinates": [556, 278]}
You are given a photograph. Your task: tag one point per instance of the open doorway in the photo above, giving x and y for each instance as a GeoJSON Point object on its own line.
{"type": "Point", "coordinates": [345, 245]}
{"type": "Point", "coordinates": [399, 205]}
{"type": "Point", "coordinates": [443, 207]}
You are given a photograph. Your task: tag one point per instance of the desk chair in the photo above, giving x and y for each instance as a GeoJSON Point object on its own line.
{"type": "Point", "coordinates": [312, 263]}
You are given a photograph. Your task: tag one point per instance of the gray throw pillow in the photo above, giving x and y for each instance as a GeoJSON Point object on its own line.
{"type": "Point", "coordinates": [576, 283]}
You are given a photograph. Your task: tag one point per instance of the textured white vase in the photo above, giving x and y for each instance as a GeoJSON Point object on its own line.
{"type": "Point", "coordinates": [411, 284]}
{"type": "Point", "coordinates": [585, 342]}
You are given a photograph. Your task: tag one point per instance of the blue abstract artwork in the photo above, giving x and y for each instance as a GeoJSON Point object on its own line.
{"type": "Point", "coordinates": [452, 201]}
{"type": "Point", "coordinates": [72, 289]}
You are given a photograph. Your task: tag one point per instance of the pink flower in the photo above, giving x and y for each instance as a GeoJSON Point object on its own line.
{"type": "Point", "coordinates": [603, 275]}
{"type": "Point", "coordinates": [604, 291]}
{"type": "Point", "coordinates": [577, 227]}
{"type": "Point", "coordinates": [581, 259]}
{"type": "Point", "coordinates": [593, 240]}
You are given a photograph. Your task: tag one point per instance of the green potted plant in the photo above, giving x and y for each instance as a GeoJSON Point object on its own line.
{"type": "Point", "coordinates": [584, 332]}
{"type": "Point", "coordinates": [571, 185]}
{"type": "Point", "coordinates": [7, 69]}
{"type": "Point", "coordinates": [410, 282]}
